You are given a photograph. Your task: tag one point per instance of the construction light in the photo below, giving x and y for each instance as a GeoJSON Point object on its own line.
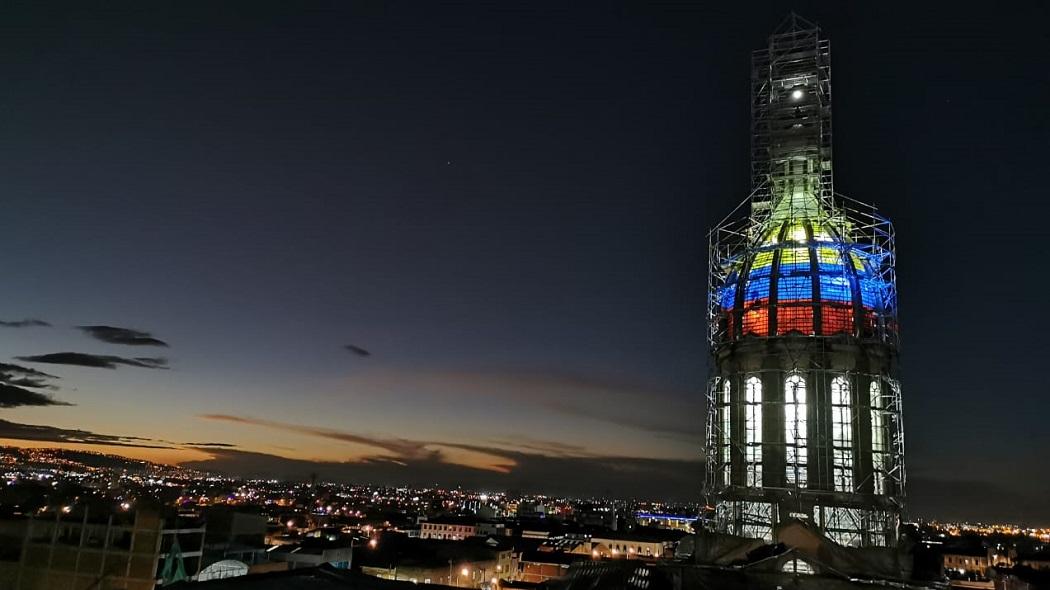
{"type": "Point", "coordinates": [797, 94]}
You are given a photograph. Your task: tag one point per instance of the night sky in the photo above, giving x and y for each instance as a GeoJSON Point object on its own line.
{"type": "Point", "coordinates": [465, 243]}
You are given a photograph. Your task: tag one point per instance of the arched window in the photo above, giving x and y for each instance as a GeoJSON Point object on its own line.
{"type": "Point", "coordinates": [797, 566]}
{"type": "Point", "coordinates": [795, 429]}
{"type": "Point", "coordinates": [753, 431]}
{"type": "Point", "coordinates": [842, 434]}
{"type": "Point", "coordinates": [879, 450]}
{"type": "Point", "coordinates": [727, 433]}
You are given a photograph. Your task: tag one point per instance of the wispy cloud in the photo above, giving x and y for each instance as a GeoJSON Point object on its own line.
{"type": "Point", "coordinates": [391, 448]}
{"type": "Point", "coordinates": [101, 361]}
{"type": "Point", "coordinates": [26, 323]}
{"type": "Point", "coordinates": [543, 447]}
{"type": "Point", "coordinates": [357, 350]}
{"type": "Point", "coordinates": [52, 434]}
{"type": "Point", "coordinates": [395, 446]}
{"type": "Point", "coordinates": [14, 381]}
{"type": "Point", "coordinates": [665, 412]}
{"type": "Point", "coordinates": [25, 376]}
{"type": "Point", "coordinates": [126, 336]}
{"type": "Point", "coordinates": [655, 418]}
{"type": "Point", "coordinates": [12, 396]}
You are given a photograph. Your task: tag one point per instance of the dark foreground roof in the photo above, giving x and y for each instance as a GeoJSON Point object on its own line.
{"type": "Point", "coordinates": [324, 577]}
{"type": "Point", "coordinates": [625, 575]}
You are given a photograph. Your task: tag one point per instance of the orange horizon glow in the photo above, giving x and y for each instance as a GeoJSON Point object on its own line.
{"type": "Point", "coordinates": [163, 456]}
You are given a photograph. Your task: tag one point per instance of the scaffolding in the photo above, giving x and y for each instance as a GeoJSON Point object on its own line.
{"type": "Point", "coordinates": [804, 416]}
{"type": "Point", "coordinates": [791, 111]}
{"type": "Point", "coordinates": [870, 498]}
{"type": "Point", "coordinates": [857, 229]}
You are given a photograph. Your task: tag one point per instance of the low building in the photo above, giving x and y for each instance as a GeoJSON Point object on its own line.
{"type": "Point", "coordinates": [129, 551]}
{"type": "Point", "coordinates": [1020, 577]}
{"type": "Point", "coordinates": [234, 534]}
{"type": "Point", "coordinates": [314, 551]}
{"type": "Point", "coordinates": [640, 543]}
{"type": "Point", "coordinates": [472, 562]}
{"type": "Point", "coordinates": [1039, 560]}
{"type": "Point", "coordinates": [666, 521]}
{"type": "Point", "coordinates": [973, 561]}
{"type": "Point", "coordinates": [316, 578]}
{"type": "Point", "coordinates": [536, 566]}
{"type": "Point", "coordinates": [449, 528]}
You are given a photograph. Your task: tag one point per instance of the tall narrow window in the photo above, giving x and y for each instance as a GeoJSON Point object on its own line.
{"type": "Point", "coordinates": [753, 431]}
{"type": "Point", "coordinates": [727, 434]}
{"type": "Point", "coordinates": [841, 434]}
{"type": "Point", "coordinates": [795, 430]}
{"type": "Point", "coordinates": [878, 438]}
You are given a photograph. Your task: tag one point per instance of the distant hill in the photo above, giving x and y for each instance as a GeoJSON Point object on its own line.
{"type": "Point", "coordinates": [84, 458]}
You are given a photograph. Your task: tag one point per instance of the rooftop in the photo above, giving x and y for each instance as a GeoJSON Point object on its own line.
{"type": "Point", "coordinates": [324, 577]}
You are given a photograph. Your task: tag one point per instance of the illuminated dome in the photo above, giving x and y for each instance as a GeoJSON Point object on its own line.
{"type": "Point", "coordinates": [803, 273]}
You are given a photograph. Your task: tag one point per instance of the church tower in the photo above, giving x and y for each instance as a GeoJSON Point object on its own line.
{"type": "Point", "coordinates": [803, 408]}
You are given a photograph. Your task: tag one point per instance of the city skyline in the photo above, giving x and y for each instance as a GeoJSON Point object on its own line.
{"type": "Point", "coordinates": [468, 244]}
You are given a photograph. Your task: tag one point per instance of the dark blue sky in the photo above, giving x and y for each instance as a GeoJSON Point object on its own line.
{"type": "Point", "coordinates": [506, 204]}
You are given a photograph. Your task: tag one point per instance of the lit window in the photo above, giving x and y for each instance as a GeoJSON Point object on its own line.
{"type": "Point", "coordinates": [797, 566]}
{"type": "Point", "coordinates": [753, 431]}
{"type": "Point", "coordinates": [879, 458]}
{"type": "Point", "coordinates": [795, 429]}
{"type": "Point", "coordinates": [726, 434]}
{"type": "Point", "coordinates": [841, 434]}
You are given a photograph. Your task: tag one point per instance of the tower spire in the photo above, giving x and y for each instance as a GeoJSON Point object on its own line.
{"type": "Point", "coordinates": [791, 154]}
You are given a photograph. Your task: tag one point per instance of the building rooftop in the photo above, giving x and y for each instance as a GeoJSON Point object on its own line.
{"type": "Point", "coordinates": [414, 552]}
{"type": "Point", "coordinates": [642, 534]}
{"type": "Point", "coordinates": [323, 577]}
{"type": "Point", "coordinates": [456, 520]}
{"type": "Point", "coordinates": [553, 557]}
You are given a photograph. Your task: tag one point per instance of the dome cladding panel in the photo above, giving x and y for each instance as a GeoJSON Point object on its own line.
{"type": "Point", "coordinates": [802, 279]}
